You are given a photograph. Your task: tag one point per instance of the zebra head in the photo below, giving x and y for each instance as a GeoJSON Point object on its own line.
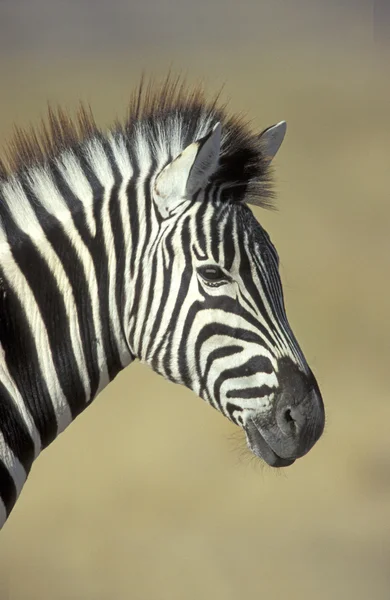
{"type": "Point", "coordinates": [216, 311]}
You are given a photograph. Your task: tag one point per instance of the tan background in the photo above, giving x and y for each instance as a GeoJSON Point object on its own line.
{"type": "Point", "coordinates": [149, 495]}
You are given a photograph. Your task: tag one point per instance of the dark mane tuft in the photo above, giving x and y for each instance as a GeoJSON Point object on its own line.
{"type": "Point", "coordinates": [154, 108]}
{"type": "Point", "coordinates": [57, 133]}
{"type": "Point", "coordinates": [153, 100]}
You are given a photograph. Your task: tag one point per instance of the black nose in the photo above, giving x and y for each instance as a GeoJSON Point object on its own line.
{"type": "Point", "coordinates": [297, 418]}
{"type": "Point", "coordinates": [300, 419]}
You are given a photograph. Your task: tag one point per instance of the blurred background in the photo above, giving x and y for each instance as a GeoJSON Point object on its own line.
{"type": "Point", "coordinates": [149, 495]}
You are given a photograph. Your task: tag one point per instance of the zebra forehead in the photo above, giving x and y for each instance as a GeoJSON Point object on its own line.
{"type": "Point", "coordinates": [246, 226]}
{"type": "Point", "coordinates": [167, 117]}
{"type": "Point", "coordinates": [228, 228]}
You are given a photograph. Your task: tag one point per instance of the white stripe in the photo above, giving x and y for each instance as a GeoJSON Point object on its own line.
{"type": "Point", "coordinates": [144, 159]}
{"type": "Point", "coordinates": [282, 342]}
{"type": "Point", "coordinates": [78, 183]}
{"type": "Point", "coordinates": [100, 165]}
{"type": "Point", "coordinates": [43, 187]}
{"type": "Point", "coordinates": [18, 283]}
{"type": "Point", "coordinates": [32, 315]}
{"type": "Point", "coordinates": [55, 205]}
{"type": "Point", "coordinates": [122, 160]}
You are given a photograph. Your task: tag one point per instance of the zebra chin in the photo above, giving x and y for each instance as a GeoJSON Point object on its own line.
{"type": "Point", "coordinates": [262, 449]}
{"type": "Point", "coordinates": [294, 422]}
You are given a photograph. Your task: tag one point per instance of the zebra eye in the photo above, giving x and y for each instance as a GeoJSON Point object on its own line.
{"type": "Point", "coordinates": [213, 275]}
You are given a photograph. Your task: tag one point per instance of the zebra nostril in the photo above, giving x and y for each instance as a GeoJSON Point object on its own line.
{"type": "Point", "coordinates": [287, 422]}
{"type": "Point", "coordinates": [287, 418]}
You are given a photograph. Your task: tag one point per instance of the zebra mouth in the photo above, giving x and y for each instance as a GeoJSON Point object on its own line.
{"type": "Point", "coordinates": [262, 449]}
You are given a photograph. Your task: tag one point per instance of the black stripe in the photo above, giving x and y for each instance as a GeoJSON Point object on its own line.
{"type": "Point", "coordinates": [252, 392]}
{"type": "Point", "coordinates": [253, 291]}
{"type": "Point", "coordinates": [134, 217]}
{"type": "Point", "coordinates": [228, 243]}
{"type": "Point", "coordinates": [83, 303]}
{"type": "Point", "coordinates": [21, 358]}
{"type": "Point", "coordinates": [152, 275]}
{"type": "Point", "coordinates": [198, 256]}
{"type": "Point", "coordinates": [231, 408]}
{"type": "Point", "coordinates": [215, 235]}
{"type": "Point", "coordinates": [235, 334]}
{"type": "Point", "coordinates": [217, 354]}
{"type": "Point", "coordinates": [14, 430]}
{"type": "Point", "coordinates": [256, 364]}
{"type": "Point", "coordinates": [96, 247]}
{"type": "Point", "coordinates": [138, 286]}
{"type": "Point", "coordinates": [51, 304]}
{"type": "Point", "coordinates": [74, 270]}
{"type": "Point", "coordinates": [119, 238]}
{"type": "Point", "coordinates": [182, 292]}
{"type": "Point", "coordinates": [167, 280]}
{"type": "Point", "coordinates": [7, 489]}
{"type": "Point", "coordinates": [200, 228]}
{"type": "Point", "coordinates": [75, 204]}
{"type": "Point", "coordinates": [151, 293]}
{"type": "Point", "coordinates": [230, 307]}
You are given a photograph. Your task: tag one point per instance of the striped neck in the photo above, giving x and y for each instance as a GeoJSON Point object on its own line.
{"type": "Point", "coordinates": [65, 295]}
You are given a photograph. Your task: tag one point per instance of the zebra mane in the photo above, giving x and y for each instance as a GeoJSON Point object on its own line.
{"type": "Point", "coordinates": [170, 114]}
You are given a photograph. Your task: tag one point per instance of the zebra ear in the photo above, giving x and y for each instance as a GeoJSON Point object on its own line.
{"type": "Point", "coordinates": [206, 161]}
{"type": "Point", "coordinates": [271, 139]}
{"type": "Point", "coordinates": [188, 172]}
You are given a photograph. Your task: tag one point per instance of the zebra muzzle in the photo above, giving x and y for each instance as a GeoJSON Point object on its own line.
{"type": "Point", "coordinates": [293, 424]}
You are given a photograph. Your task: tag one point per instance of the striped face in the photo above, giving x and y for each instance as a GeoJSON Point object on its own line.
{"type": "Point", "coordinates": [219, 323]}
{"type": "Point", "coordinates": [245, 333]}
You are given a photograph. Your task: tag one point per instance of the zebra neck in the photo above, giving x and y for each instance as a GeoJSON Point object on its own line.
{"type": "Point", "coordinates": [62, 305]}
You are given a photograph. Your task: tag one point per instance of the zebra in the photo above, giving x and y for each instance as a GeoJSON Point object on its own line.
{"type": "Point", "coordinates": [139, 243]}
